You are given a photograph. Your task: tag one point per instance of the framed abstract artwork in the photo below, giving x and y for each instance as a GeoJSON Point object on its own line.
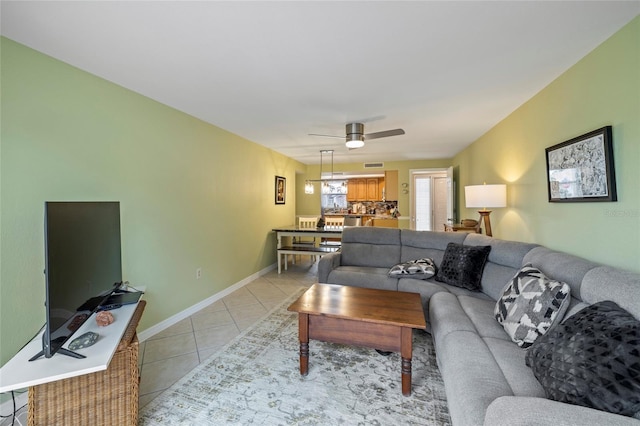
{"type": "Point", "coordinates": [281, 189]}
{"type": "Point", "coordinates": [581, 169]}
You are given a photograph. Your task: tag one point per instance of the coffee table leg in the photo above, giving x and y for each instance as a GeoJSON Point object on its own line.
{"type": "Point", "coordinates": [303, 332]}
{"type": "Point", "coordinates": [406, 353]}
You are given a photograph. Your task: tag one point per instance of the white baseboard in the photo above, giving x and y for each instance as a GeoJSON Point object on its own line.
{"type": "Point", "coordinates": [6, 408]}
{"type": "Point", "coordinates": [162, 325]}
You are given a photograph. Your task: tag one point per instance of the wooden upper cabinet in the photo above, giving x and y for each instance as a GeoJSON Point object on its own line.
{"type": "Point", "coordinates": [352, 190]}
{"type": "Point", "coordinates": [391, 185]}
{"type": "Point", "coordinates": [372, 189]}
{"type": "Point", "coordinates": [361, 192]}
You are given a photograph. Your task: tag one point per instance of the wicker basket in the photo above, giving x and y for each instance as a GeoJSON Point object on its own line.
{"type": "Point", "coordinates": [107, 397]}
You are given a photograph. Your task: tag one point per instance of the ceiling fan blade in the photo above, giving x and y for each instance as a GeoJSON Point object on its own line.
{"type": "Point", "coordinates": [384, 134]}
{"type": "Point", "coordinates": [326, 136]}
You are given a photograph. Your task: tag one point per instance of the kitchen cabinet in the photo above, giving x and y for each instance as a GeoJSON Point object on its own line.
{"type": "Point", "coordinates": [352, 189]}
{"type": "Point", "coordinates": [385, 223]}
{"type": "Point", "coordinates": [357, 190]}
{"type": "Point", "coordinates": [391, 185]}
{"type": "Point", "coordinates": [372, 189]}
{"type": "Point", "coordinates": [362, 190]}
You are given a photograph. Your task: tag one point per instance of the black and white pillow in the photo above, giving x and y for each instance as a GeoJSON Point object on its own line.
{"type": "Point", "coordinates": [421, 269]}
{"type": "Point", "coordinates": [530, 305]}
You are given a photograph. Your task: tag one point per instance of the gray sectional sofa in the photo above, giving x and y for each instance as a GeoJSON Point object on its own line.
{"type": "Point", "coordinates": [486, 378]}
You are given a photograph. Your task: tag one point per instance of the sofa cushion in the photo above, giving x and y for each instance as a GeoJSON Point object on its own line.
{"type": "Point", "coordinates": [592, 359]}
{"type": "Point", "coordinates": [370, 246]}
{"type": "Point", "coordinates": [363, 276]}
{"type": "Point", "coordinates": [421, 244]}
{"type": "Point", "coordinates": [505, 259]}
{"type": "Point", "coordinates": [421, 269]}
{"type": "Point", "coordinates": [462, 265]}
{"type": "Point", "coordinates": [503, 252]}
{"type": "Point", "coordinates": [472, 376]}
{"type": "Point", "coordinates": [617, 285]}
{"type": "Point", "coordinates": [561, 266]}
{"type": "Point", "coordinates": [531, 304]}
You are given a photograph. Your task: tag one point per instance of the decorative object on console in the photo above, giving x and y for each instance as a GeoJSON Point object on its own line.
{"type": "Point", "coordinates": [591, 359]}
{"type": "Point", "coordinates": [84, 341]}
{"type": "Point", "coordinates": [581, 169]}
{"type": "Point", "coordinates": [421, 269]}
{"type": "Point", "coordinates": [530, 305]}
{"type": "Point", "coordinates": [104, 318]}
{"type": "Point", "coordinates": [77, 321]}
{"type": "Point", "coordinates": [281, 189]}
{"type": "Point", "coordinates": [462, 265]}
{"type": "Point", "coordinates": [486, 196]}
{"type": "Point", "coordinates": [470, 223]}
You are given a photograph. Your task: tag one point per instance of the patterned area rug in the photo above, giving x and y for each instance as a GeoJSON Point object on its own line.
{"type": "Point", "coordinates": [255, 379]}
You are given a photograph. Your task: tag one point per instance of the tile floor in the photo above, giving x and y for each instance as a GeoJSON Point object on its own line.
{"type": "Point", "coordinates": [172, 353]}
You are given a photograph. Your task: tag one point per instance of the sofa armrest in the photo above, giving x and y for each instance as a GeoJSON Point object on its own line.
{"type": "Point", "coordinates": [520, 411]}
{"type": "Point", "coordinates": [327, 264]}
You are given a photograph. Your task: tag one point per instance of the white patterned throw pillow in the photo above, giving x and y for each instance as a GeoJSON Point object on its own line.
{"type": "Point", "coordinates": [530, 305]}
{"type": "Point", "coordinates": [421, 269]}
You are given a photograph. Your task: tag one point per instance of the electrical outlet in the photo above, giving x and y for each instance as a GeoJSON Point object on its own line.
{"type": "Point", "coordinates": [198, 273]}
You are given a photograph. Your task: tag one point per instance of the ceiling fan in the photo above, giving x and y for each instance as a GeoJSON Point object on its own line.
{"type": "Point", "coordinates": [355, 135]}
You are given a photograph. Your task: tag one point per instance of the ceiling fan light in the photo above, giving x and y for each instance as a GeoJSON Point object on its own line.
{"type": "Point", "coordinates": [355, 144]}
{"type": "Point", "coordinates": [355, 141]}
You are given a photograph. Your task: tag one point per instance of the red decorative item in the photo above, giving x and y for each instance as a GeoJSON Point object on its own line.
{"type": "Point", "coordinates": [104, 318]}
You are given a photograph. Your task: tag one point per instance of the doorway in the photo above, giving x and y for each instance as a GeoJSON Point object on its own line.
{"type": "Point", "coordinates": [431, 199]}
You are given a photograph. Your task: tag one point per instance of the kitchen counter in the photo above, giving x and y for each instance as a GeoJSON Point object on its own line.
{"type": "Point", "coordinates": [362, 215]}
{"type": "Point", "coordinates": [380, 220]}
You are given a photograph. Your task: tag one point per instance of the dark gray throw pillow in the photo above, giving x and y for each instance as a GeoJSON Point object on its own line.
{"type": "Point", "coordinates": [592, 360]}
{"type": "Point", "coordinates": [462, 266]}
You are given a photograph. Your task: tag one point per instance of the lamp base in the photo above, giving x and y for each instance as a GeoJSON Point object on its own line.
{"type": "Point", "coordinates": [484, 217]}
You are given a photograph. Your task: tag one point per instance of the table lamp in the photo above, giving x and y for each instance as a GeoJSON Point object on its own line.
{"type": "Point", "coordinates": [484, 196]}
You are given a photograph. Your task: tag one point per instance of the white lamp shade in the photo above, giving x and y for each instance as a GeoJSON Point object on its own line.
{"type": "Point", "coordinates": [486, 195]}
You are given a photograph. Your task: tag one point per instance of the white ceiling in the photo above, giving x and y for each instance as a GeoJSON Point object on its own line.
{"type": "Point", "coordinates": [273, 72]}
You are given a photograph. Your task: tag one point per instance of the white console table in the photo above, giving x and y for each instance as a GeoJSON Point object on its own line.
{"type": "Point", "coordinates": [20, 373]}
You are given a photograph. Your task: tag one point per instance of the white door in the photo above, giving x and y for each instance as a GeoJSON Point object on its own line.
{"type": "Point", "coordinates": [432, 199]}
{"type": "Point", "coordinates": [421, 219]}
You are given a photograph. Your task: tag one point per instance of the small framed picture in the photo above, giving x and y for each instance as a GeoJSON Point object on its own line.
{"type": "Point", "coordinates": [281, 189]}
{"type": "Point", "coordinates": [581, 169]}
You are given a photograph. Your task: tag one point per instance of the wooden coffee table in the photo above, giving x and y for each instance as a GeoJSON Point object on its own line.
{"type": "Point", "coordinates": [379, 319]}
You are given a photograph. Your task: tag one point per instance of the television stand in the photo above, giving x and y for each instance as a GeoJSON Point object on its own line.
{"type": "Point", "coordinates": [108, 397]}
{"type": "Point", "coordinates": [19, 373]}
{"type": "Point", "coordinates": [62, 351]}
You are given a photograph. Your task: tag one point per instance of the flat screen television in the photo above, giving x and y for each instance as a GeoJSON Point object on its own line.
{"type": "Point", "coordinates": [83, 267]}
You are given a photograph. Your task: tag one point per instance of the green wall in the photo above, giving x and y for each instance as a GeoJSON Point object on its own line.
{"type": "Point", "coordinates": [601, 89]}
{"type": "Point", "coordinates": [309, 204]}
{"type": "Point", "coordinates": [192, 195]}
